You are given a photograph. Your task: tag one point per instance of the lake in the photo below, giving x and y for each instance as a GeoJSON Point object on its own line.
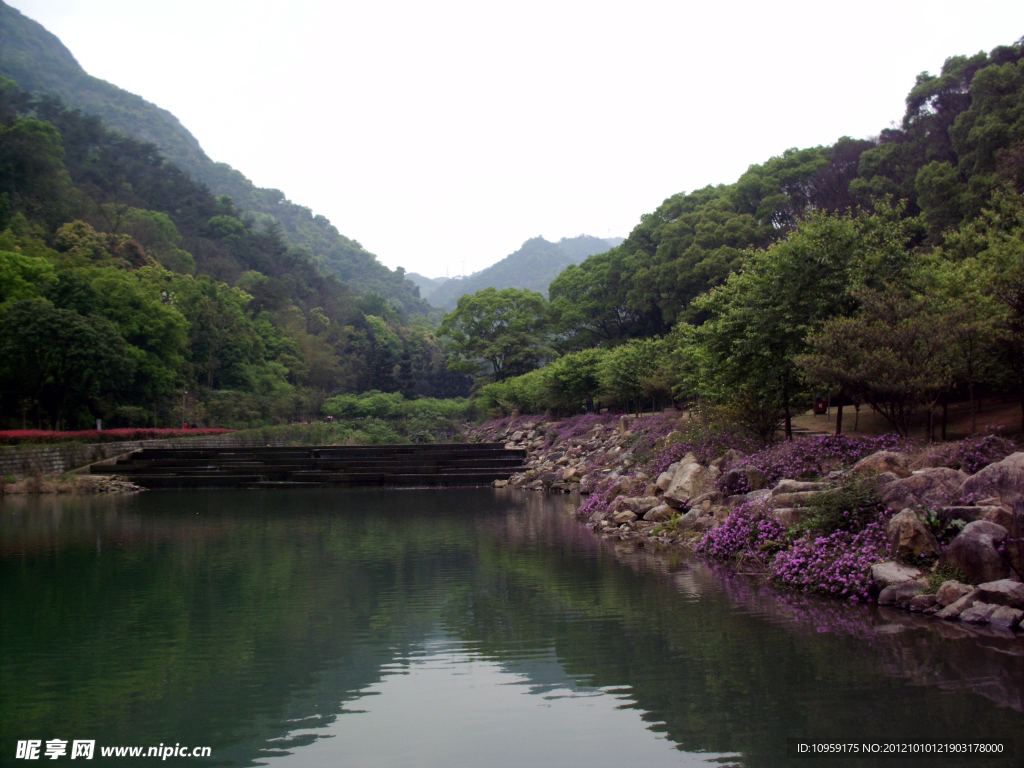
{"type": "Point", "coordinates": [470, 627]}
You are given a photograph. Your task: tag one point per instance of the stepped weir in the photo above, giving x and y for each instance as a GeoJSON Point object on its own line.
{"type": "Point", "coordinates": [462, 464]}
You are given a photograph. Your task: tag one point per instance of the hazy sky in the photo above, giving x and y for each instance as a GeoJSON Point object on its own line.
{"type": "Point", "coordinates": [442, 135]}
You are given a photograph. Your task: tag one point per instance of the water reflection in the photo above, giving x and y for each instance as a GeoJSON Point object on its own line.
{"type": "Point", "coordinates": [462, 627]}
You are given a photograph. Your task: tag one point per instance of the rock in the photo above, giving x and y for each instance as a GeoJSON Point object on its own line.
{"type": "Point", "coordinates": [572, 475]}
{"type": "Point", "coordinates": [951, 591]}
{"type": "Point", "coordinates": [798, 499]}
{"type": "Point", "coordinates": [1002, 592]}
{"type": "Point", "coordinates": [624, 516]}
{"type": "Point", "coordinates": [517, 436]}
{"type": "Point", "coordinates": [953, 610]}
{"type": "Point", "coordinates": [687, 521]}
{"type": "Point", "coordinates": [883, 461]}
{"type": "Point", "coordinates": [705, 523]}
{"type": "Point", "coordinates": [920, 603]}
{"type": "Point", "coordinates": [928, 487]}
{"type": "Point", "coordinates": [659, 514]}
{"type": "Point", "coordinates": [665, 478]}
{"type": "Point", "coordinates": [890, 572]}
{"type": "Point", "coordinates": [689, 481]}
{"type": "Point", "coordinates": [500, 483]}
{"type": "Point", "coordinates": [974, 552]}
{"type": "Point", "coordinates": [742, 480]}
{"type": "Point", "coordinates": [1005, 617]}
{"type": "Point", "coordinates": [910, 538]}
{"type": "Point", "coordinates": [946, 515]}
{"type": "Point", "coordinates": [979, 613]}
{"type": "Point", "coordinates": [729, 461]}
{"type": "Point", "coordinates": [641, 504]}
{"type": "Point", "coordinates": [901, 594]}
{"type": "Point", "coordinates": [1004, 480]}
{"type": "Point", "coordinates": [789, 516]}
{"type": "Point", "coordinates": [622, 487]}
{"type": "Point", "coordinates": [796, 486]}
{"type": "Point", "coordinates": [624, 424]}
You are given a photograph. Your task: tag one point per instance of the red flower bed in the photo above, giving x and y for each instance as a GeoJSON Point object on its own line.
{"type": "Point", "coordinates": [18, 436]}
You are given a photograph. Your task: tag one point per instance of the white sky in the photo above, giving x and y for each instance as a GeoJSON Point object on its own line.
{"type": "Point", "coordinates": [442, 135]}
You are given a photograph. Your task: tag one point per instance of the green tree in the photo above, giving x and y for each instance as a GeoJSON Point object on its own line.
{"type": "Point", "coordinates": [503, 332]}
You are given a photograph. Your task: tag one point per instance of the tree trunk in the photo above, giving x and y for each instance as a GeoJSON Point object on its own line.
{"type": "Point", "coordinates": [856, 417]}
{"type": "Point", "coordinates": [839, 416]}
{"type": "Point", "coordinates": [789, 418]}
{"type": "Point", "coordinates": [945, 418]}
{"type": "Point", "coordinates": [974, 410]}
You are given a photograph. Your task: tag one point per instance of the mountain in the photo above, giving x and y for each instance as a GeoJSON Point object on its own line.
{"type": "Point", "coordinates": [38, 62]}
{"type": "Point", "coordinates": [533, 266]}
{"type": "Point", "coordinates": [427, 285]}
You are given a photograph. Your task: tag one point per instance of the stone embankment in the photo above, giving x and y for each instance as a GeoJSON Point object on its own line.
{"type": "Point", "coordinates": [949, 545]}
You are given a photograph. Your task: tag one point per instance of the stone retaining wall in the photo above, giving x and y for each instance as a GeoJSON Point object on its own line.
{"type": "Point", "coordinates": [26, 461]}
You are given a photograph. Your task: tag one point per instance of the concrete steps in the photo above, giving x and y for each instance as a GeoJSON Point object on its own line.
{"type": "Point", "coordinates": [455, 464]}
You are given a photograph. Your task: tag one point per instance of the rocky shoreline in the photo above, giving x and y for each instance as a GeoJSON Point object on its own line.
{"type": "Point", "coordinates": [82, 484]}
{"type": "Point", "coordinates": [942, 535]}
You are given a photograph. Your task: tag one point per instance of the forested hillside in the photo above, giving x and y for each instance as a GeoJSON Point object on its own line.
{"type": "Point", "coordinates": [533, 267]}
{"type": "Point", "coordinates": [38, 62]}
{"type": "Point", "coordinates": [886, 271]}
{"type": "Point", "coordinates": [123, 281]}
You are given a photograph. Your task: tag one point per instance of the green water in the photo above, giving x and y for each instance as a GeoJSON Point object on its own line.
{"type": "Point", "coordinates": [448, 628]}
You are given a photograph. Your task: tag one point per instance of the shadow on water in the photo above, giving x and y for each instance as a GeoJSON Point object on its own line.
{"type": "Point", "coordinates": [263, 623]}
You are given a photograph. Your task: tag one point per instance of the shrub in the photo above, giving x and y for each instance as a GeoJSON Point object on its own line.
{"type": "Point", "coordinates": [19, 436]}
{"type": "Point", "coordinates": [849, 508]}
{"type": "Point", "coordinates": [750, 529]}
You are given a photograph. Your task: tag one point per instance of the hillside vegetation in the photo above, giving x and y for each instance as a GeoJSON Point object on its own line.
{"type": "Point", "coordinates": [124, 283]}
{"type": "Point", "coordinates": [39, 63]}
{"type": "Point", "coordinates": [533, 267]}
{"type": "Point", "coordinates": [886, 271]}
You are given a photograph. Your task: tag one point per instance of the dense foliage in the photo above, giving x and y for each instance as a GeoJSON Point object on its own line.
{"type": "Point", "coordinates": [38, 62]}
{"type": "Point", "coordinates": [128, 292]}
{"type": "Point", "coordinates": [887, 272]}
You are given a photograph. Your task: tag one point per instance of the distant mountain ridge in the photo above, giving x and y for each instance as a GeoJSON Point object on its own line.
{"type": "Point", "coordinates": [533, 266]}
{"type": "Point", "coordinates": [39, 62]}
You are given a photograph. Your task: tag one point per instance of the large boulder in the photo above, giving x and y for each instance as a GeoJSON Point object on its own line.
{"type": "Point", "coordinates": [1006, 618]}
{"type": "Point", "coordinates": [901, 594]}
{"type": "Point", "coordinates": [928, 487]}
{"type": "Point", "coordinates": [909, 537]}
{"type": "Point", "coordinates": [953, 610]}
{"type": "Point", "coordinates": [665, 478]}
{"type": "Point", "coordinates": [890, 572]}
{"type": "Point", "coordinates": [659, 514]}
{"type": "Point", "coordinates": [689, 481]}
{"type": "Point", "coordinates": [1003, 480]}
{"type": "Point", "coordinates": [979, 613]}
{"type": "Point", "coordinates": [951, 591]}
{"type": "Point", "coordinates": [1002, 592]}
{"type": "Point", "coordinates": [624, 516]}
{"type": "Point", "coordinates": [975, 552]}
{"type": "Point", "coordinates": [884, 461]}
{"type": "Point", "coordinates": [640, 505]}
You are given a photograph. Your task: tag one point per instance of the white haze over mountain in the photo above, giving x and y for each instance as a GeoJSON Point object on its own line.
{"type": "Point", "coordinates": [443, 135]}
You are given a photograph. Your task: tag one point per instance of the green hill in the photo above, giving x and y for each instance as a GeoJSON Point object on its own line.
{"type": "Point", "coordinates": [533, 266]}
{"type": "Point", "coordinates": [38, 62]}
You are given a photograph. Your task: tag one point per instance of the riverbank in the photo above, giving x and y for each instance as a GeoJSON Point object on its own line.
{"type": "Point", "coordinates": [936, 530]}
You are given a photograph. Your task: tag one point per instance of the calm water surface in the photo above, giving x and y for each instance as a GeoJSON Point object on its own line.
{"type": "Point", "coordinates": [448, 628]}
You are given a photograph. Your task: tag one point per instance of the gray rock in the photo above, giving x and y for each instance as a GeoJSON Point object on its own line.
{"type": "Point", "coordinates": [517, 436]}
{"type": "Point", "coordinates": [953, 610]}
{"type": "Point", "coordinates": [920, 603]}
{"type": "Point", "coordinates": [979, 613]}
{"type": "Point", "coordinates": [789, 516]}
{"type": "Point", "coordinates": [951, 591]}
{"type": "Point", "coordinates": [623, 516]}
{"type": "Point", "coordinates": [928, 487]}
{"type": "Point", "coordinates": [796, 486]}
{"type": "Point", "coordinates": [705, 523]}
{"type": "Point", "coordinates": [890, 572]}
{"type": "Point", "coordinates": [1004, 480]}
{"type": "Point", "coordinates": [690, 480]}
{"type": "Point", "coordinates": [901, 594]}
{"type": "Point", "coordinates": [687, 521]}
{"type": "Point", "coordinates": [947, 514]}
{"type": "Point", "coordinates": [728, 461]}
{"type": "Point", "coordinates": [910, 538]}
{"type": "Point", "coordinates": [1002, 592]}
{"type": "Point", "coordinates": [659, 514]}
{"type": "Point", "coordinates": [798, 499]}
{"type": "Point", "coordinates": [883, 461]}
{"type": "Point", "coordinates": [1005, 617]}
{"type": "Point", "coordinates": [641, 505]}
{"type": "Point", "coordinates": [665, 478]}
{"type": "Point", "coordinates": [974, 551]}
